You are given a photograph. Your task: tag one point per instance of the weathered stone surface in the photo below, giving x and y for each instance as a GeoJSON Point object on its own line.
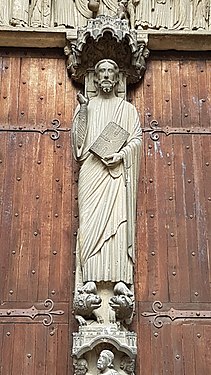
{"type": "Point", "coordinates": [107, 187]}
{"type": "Point", "coordinates": [152, 14]}
{"type": "Point", "coordinates": [105, 249]}
{"type": "Point", "coordinates": [121, 43]}
{"type": "Point", "coordinates": [40, 13]}
{"type": "Point", "coordinates": [88, 338]}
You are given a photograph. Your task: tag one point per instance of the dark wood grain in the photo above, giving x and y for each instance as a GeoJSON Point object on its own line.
{"type": "Point", "coordinates": [39, 214]}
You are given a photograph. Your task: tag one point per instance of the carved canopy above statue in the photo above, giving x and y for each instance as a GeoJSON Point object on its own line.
{"type": "Point", "coordinates": [121, 46]}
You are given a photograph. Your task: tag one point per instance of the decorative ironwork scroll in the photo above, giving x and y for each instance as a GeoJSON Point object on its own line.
{"type": "Point", "coordinates": [55, 130]}
{"type": "Point", "coordinates": [33, 312]}
{"type": "Point", "coordinates": [154, 130]}
{"type": "Point", "coordinates": [174, 314]}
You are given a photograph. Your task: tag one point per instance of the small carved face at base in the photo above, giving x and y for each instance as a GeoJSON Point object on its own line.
{"type": "Point", "coordinates": [128, 365]}
{"type": "Point", "coordinates": [105, 360]}
{"type": "Point", "coordinates": [106, 72]}
{"type": "Point", "coordinates": [81, 367]}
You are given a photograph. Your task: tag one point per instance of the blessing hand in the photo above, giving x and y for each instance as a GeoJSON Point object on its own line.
{"type": "Point", "coordinates": [82, 99]}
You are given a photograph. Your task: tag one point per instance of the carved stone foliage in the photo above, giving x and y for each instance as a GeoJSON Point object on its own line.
{"type": "Point", "coordinates": [127, 364]}
{"type": "Point", "coordinates": [121, 46]}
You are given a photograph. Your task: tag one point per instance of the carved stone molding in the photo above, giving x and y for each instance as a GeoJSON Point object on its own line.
{"type": "Point", "coordinates": [122, 46]}
{"type": "Point", "coordinates": [89, 337]}
{"type": "Point", "coordinates": [152, 14]}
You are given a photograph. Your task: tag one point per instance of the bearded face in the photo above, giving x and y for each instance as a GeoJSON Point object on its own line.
{"type": "Point", "coordinates": [106, 76]}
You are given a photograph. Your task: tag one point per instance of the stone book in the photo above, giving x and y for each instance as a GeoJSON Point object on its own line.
{"type": "Point", "coordinates": [111, 140]}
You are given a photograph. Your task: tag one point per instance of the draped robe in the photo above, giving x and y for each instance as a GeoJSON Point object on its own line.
{"type": "Point", "coordinates": [107, 196]}
{"type": "Point", "coordinates": [5, 13]}
{"type": "Point", "coordinates": [20, 12]}
{"type": "Point", "coordinates": [40, 13]}
{"type": "Point", "coordinates": [64, 13]}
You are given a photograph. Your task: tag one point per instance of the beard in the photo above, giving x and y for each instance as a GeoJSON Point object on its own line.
{"type": "Point", "coordinates": [106, 85]}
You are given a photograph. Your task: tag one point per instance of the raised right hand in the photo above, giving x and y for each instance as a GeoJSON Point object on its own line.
{"type": "Point", "coordinates": [82, 99]}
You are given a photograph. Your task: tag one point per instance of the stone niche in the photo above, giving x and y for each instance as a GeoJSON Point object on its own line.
{"type": "Point", "coordinates": [105, 56]}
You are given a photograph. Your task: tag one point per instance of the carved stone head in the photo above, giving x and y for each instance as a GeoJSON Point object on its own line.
{"type": "Point", "coordinates": [106, 75]}
{"type": "Point", "coordinates": [81, 367]}
{"type": "Point", "coordinates": [128, 365]}
{"type": "Point", "coordinates": [105, 360]}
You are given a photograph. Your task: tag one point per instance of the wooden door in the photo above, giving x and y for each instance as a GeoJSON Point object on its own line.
{"type": "Point", "coordinates": [39, 215]}
{"type": "Point", "coordinates": [174, 217]}
{"type": "Point", "coordinates": [37, 225]}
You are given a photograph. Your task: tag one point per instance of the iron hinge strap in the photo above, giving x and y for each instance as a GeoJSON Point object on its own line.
{"type": "Point", "coordinates": [154, 130]}
{"type": "Point", "coordinates": [54, 130]}
{"type": "Point", "coordinates": [33, 312]}
{"type": "Point", "coordinates": [158, 315]}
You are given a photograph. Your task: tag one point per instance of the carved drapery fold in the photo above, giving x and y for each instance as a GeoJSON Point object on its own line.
{"type": "Point", "coordinates": [104, 55]}
{"type": "Point", "coordinates": [188, 15]}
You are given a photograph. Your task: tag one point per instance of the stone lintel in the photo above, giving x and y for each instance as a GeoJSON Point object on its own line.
{"type": "Point", "coordinates": [56, 38]}
{"type": "Point", "coordinates": [28, 37]}
{"type": "Point", "coordinates": [178, 40]}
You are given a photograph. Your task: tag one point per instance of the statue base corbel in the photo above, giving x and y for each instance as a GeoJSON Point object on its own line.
{"type": "Point", "coordinates": [91, 340]}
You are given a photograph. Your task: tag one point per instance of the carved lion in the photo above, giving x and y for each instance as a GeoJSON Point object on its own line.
{"type": "Point", "coordinates": [86, 302]}
{"type": "Point", "coordinates": [122, 303]}
{"type": "Point", "coordinates": [123, 307]}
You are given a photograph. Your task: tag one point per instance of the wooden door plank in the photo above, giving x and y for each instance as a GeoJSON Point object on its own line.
{"type": "Point", "coordinates": [205, 116]}
{"type": "Point", "coordinates": [62, 365]}
{"type": "Point", "coordinates": [45, 171]}
{"type": "Point", "coordinates": [52, 358]}
{"type": "Point", "coordinates": [29, 367]}
{"type": "Point", "coordinates": [176, 338]}
{"type": "Point", "coordinates": [157, 351]}
{"type": "Point", "coordinates": [18, 354]}
{"type": "Point", "coordinates": [152, 230]}
{"type": "Point", "coordinates": [6, 77]}
{"type": "Point", "coordinates": [144, 362]}
{"type": "Point", "coordinates": [161, 149]}
{"type": "Point", "coordinates": [141, 274]}
{"type": "Point", "coordinates": [7, 349]}
{"type": "Point", "coordinates": [40, 349]}
{"type": "Point", "coordinates": [13, 98]}
{"type": "Point", "coordinates": [7, 213]}
{"type": "Point", "coordinates": [167, 350]}
{"type": "Point", "coordinates": [200, 350]}
{"type": "Point", "coordinates": [188, 349]}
